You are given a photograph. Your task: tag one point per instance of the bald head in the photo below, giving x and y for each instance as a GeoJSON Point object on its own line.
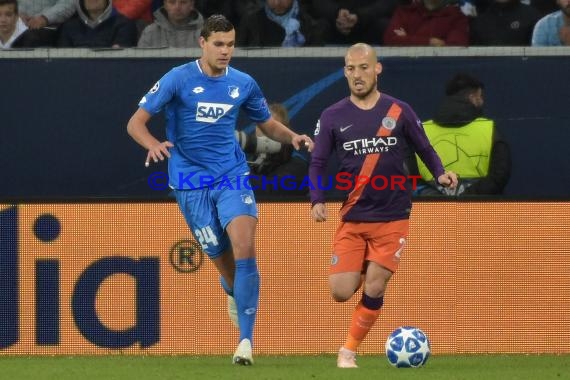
{"type": "Point", "coordinates": [362, 50]}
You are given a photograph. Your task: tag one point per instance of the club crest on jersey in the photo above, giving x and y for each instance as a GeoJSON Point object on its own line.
{"type": "Point", "coordinates": [389, 123]}
{"type": "Point", "coordinates": [247, 199]}
{"type": "Point", "coordinates": [155, 88]}
{"type": "Point", "coordinates": [233, 91]}
{"type": "Point", "coordinates": [211, 112]}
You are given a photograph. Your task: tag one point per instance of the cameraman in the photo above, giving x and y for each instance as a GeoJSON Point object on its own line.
{"type": "Point", "coordinates": [271, 160]}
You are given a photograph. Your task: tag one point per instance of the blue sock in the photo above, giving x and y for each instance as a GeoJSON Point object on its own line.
{"type": "Point", "coordinates": [229, 291]}
{"type": "Point", "coordinates": [372, 303]}
{"type": "Point", "coordinates": [246, 294]}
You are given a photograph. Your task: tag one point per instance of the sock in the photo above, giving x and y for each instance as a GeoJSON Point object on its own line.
{"type": "Point", "coordinates": [363, 318]}
{"type": "Point", "coordinates": [229, 291]}
{"type": "Point", "coordinates": [246, 294]}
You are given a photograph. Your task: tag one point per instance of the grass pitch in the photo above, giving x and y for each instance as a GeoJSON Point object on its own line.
{"type": "Point", "coordinates": [459, 367]}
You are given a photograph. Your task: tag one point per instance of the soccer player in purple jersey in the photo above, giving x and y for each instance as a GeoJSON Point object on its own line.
{"type": "Point", "coordinates": [201, 100]}
{"type": "Point", "coordinates": [373, 134]}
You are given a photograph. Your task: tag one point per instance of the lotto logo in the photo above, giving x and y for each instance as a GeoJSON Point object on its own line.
{"type": "Point", "coordinates": [211, 112]}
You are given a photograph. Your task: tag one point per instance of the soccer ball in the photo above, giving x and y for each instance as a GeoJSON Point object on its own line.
{"type": "Point", "coordinates": [407, 347]}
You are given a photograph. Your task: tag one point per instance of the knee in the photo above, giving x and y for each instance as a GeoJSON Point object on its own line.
{"type": "Point", "coordinates": [243, 249]}
{"type": "Point", "coordinates": [342, 295]}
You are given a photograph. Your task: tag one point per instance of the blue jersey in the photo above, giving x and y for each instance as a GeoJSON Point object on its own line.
{"type": "Point", "coordinates": [201, 114]}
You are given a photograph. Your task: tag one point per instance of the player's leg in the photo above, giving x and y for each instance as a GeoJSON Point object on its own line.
{"type": "Point", "coordinates": [345, 275]}
{"type": "Point", "coordinates": [225, 265]}
{"type": "Point", "coordinates": [238, 213]}
{"type": "Point", "coordinates": [385, 242]}
{"type": "Point", "coordinates": [367, 310]}
{"type": "Point", "coordinates": [346, 262]}
{"type": "Point", "coordinates": [200, 213]}
{"type": "Point", "coordinates": [241, 231]}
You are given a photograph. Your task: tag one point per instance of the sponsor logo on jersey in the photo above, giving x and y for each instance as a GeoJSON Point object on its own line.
{"type": "Point", "coordinates": [233, 91]}
{"type": "Point", "coordinates": [198, 90]}
{"type": "Point", "coordinates": [211, 112]}
{"type": "Point", "coordinates": [342, 129]}
{"type": "Point", "coordinates": [155, 88]}
{"type": "Point", "coordinates": [376, 144]}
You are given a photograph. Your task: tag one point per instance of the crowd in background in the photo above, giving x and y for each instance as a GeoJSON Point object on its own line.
{"type": "Point", "coordinates": [286, 23]}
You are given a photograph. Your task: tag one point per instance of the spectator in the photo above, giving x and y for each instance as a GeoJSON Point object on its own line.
{"type": "Point", "coordinates": [428, 23]}
{"type": "Point", "coordinates": [43, 19]}
{"type": "Point", "coordinates": [11, 26]}
{"type": "Point", "coordinates": [467, 143]}
{"type": "Point", "coordinates": [287, 164]}
{"type": "Point", "coordinates": [97, 25]}
{"type": "Point", "coordinates": [176, 24]}
{"type": "Point", "coordinates": [554, 28]}
{"type": "Point", "coordinates": [472, 8]}
{"type": "Point", "coordinates": [232, 9]}
{"type": "Point", "coordinates": [136, 10]}
{"type": "Point", "coordinates": [504, 23]}
{"type": "Point", "coordinates": [544, 7]}
{"type": "Point", "coordinates": [38, 14]}
{"type": "Point", "coordinates": [13, 32]}
{"type": "Point", "coordinates": [281, 23]}
{"type": "Point", "coordinates": [354, 21]}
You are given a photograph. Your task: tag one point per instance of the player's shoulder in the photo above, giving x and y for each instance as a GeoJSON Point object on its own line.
{"type": "Point", "coordinates": [392, 99]}
{"type": "Point", "coordinates": [189, 68]}
{"type": "Point", "coordinates": [389, 100]}
{"type": "Point", "coordinates": [238, 75]}
{"type": "Point", "coordinates": [337, 107]}
{"type": "Point", "coordinates": [179, 74]}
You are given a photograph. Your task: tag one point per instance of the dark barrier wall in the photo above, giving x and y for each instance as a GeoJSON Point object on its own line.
{"type": "Point", "coordinates": [62, 131]}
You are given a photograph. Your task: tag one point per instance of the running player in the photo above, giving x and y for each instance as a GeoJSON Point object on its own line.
{"type": "Point", "coordinates": [373, 134]}
{"type": "Point", "coordinates": [201, 100]}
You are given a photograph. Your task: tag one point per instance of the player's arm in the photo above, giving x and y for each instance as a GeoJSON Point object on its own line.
{"type": "Point", "coordinates": [138, 130]}
{"type": "Point", "coordinates": [279, 132]}
{"type": "Point", "coordinates": [417, 135]}
{"type": "Point", "coordinates": [324, 143]}
{"type": "Point", "coordinates": [153, 102]}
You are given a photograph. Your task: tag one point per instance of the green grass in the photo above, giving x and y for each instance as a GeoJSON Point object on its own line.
{"type": "Point", "coordinates": [460, 367]}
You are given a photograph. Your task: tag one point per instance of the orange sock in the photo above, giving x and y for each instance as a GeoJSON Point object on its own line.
{"type": "Point", "coordinates": [362, 321]}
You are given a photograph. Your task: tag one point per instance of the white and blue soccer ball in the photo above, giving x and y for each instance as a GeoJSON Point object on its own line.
{"type": "Point", "coordinates": [407, 347]}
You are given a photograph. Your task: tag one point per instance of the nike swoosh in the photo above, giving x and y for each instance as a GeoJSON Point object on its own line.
{"type": "Point", "coordinates": [342, 129]}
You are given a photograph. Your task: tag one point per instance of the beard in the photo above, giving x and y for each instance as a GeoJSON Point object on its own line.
{"type": "Point", "coordinates": [363, 95]}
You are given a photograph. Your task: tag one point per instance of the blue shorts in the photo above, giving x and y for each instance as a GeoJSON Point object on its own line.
{"type": "Point", "coordinates": [209, 210]}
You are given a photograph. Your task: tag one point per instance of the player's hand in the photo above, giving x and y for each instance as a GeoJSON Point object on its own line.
{"type": "Point", "coordinates": [448, 179]}
{"type": "Point", "coordinates": [319, 212]}
{"type": "Point", "coordinates": [302, 141]}
{"type": "Point", "coordinates": [157, 152]}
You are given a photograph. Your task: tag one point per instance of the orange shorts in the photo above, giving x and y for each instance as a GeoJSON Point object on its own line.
{"type": "Point", "coordinates": [356, 243]}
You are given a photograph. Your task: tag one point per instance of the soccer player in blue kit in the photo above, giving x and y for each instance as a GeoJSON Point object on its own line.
{"type": "Point", "coordinates": [206, 166]}
{"type": "Point", "coordinates": [373, 134]}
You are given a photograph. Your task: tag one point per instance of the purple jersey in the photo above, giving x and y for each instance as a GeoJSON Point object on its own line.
{"type": "Point", "coordinates": [373, 146]}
